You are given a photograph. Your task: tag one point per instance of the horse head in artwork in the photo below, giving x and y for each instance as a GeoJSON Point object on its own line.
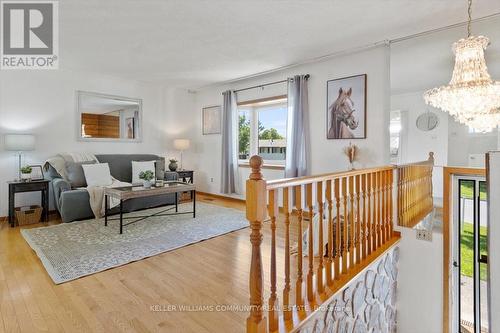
{"type": "Point", "coordinates": [341, 116]}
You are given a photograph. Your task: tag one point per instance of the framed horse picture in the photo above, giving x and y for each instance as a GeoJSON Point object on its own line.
{"type": "Point", "coordinates": [346, 108]}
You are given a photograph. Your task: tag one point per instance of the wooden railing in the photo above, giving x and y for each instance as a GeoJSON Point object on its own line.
{"type": "Point", "coordinates": [356, 208]}
{"type": "Point", "coordinates": [415, 192]}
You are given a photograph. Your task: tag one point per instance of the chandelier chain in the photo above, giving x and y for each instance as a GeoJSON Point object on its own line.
{"type": "Point", "coordinates": [469, 12]}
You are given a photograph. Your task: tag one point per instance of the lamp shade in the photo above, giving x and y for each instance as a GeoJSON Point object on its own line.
{"type": "Point", "coordinates": [181, 144]}
{"type": "Point", "coordinates": [19, 142]}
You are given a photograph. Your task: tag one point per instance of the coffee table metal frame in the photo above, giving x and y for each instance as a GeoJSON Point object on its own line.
{"type": "Point", "coordinates": [122, 194]}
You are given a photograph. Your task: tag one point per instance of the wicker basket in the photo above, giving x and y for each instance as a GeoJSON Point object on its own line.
{"type": "Point", "coordinates": [28, 214]}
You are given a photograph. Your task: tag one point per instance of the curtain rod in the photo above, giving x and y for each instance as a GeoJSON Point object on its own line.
{"type": "Point", "coordinates": [267, 84]}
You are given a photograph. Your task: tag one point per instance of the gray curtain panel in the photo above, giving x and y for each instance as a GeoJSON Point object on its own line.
{"type": "Point", "coordinates": [297, 134]}
{"type": "Point", "coordinates": [229, 174]}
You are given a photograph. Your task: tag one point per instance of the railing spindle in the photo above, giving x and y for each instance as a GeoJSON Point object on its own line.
{"type": "Point", "coordinates": [298, 286]}
{"type": "Point", "coordinates": [358, 220]}
{"type": "Point", "coordinates": [379, 210]}
{"type": "Point", "coordinates": [338, 244]}
{"type": "Point", "coordinates": [350, 225]}
{"type": "Point", "coordinates": [369, 229]}
{"type": "Point", "coordinates": [383, 219]}
{"type": "Point", "coordinates": [287, 314]}
{"type": "Point", "coordinates": [319, 273]}
{"type": "Point", "coordinates": [344, 226]}
{"type": "Point", "coordinates": [364, 236]}
{"type": "Point", "coordinates": [391, 211]}
{"type": "Point", "coordinates": [329, 261]}
{"type": "Point", "coordinates": [273, 298]}
{"type": "Point", "coordinates": [310, 272]}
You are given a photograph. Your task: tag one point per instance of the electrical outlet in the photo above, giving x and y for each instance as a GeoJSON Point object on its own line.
{"type": "Point", "coordinates": [425, 235]}
{"type": "Point", "coordinates": [211, 180]}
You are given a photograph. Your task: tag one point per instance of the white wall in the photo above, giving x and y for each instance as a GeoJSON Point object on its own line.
{"type": "Point", "coordinates": [43, 103]}
{"type": "Point", "coordinates": [420, 281]}
{"type": "Point", "coordinates": [469, 143]}
{"type": "Point", "coordinates": [420, 143]}
{"type": "Point", "coordinates": [185, 116]}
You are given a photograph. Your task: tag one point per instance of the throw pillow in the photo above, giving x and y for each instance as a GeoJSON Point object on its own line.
{"type": "Point", "coordinates": [75, 174]}
{"type": "Point", "coordinates": [97, 174]}
{"type": "Point", "coordinates": [140, 166]}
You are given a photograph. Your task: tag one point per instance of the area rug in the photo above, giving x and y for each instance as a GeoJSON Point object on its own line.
{"type": "Point", "coordinates": [69, 251]}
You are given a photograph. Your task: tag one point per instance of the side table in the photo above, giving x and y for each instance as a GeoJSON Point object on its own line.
{"type": "Point", "coordinates": [31, 186]}
{"type": "Point", "coordinates": [186, 176]}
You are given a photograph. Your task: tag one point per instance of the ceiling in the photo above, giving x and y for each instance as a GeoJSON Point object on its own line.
{"type": "Point", "coordinates": [191, 43]}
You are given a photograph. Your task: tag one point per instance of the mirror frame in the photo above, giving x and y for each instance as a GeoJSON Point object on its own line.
{"type": "Point", "coordinates": [80, 93]}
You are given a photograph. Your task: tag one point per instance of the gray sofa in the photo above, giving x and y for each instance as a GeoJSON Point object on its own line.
{"type": "Point", "coordinates": [73, 204]}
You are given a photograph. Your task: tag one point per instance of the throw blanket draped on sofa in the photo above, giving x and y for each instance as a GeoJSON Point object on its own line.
{"type": "Point", "coordinates": [96, 194]}
{"type": "Point", "coordinates": [58, 162]}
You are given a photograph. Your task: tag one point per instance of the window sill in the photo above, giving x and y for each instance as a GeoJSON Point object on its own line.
{"type": "Point", "coordinates": [264, 166]}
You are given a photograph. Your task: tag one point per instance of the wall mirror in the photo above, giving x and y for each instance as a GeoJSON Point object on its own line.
{"type": "Point", "coordinates": [108, 118]}
{"type": "Point", "coordinates": [427, 121]}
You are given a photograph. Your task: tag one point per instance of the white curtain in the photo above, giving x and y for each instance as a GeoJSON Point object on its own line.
{"type": "Point", "coordinates": [297, 133]}
{"type": "Point", "coordinates": [229, 174]}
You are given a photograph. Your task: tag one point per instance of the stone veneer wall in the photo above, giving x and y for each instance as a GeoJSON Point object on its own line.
{"type": "Point", "coordinates": [366, 304]}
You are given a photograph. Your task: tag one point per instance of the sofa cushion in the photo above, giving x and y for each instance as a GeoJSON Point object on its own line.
{"type": "Point", "coordinates": [75, 174]}
{"type": "Point", "coordinates": [140, 166]}
{"type": "Point", "coordinates": [120, 165]}
{"type": "Point", "coordinates": [97, 174]}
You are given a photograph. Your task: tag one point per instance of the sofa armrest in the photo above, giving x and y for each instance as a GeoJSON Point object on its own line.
{"type": "Point", "coordinates": [171, 175]}
{"type": "Point", "coordinates": [59, 185]}
{"type": "Point", "coordinates": [75, 205]}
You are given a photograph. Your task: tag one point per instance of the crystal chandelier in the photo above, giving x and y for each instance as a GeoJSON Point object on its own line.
{"type": "Point", "coordinates": [471, 97]}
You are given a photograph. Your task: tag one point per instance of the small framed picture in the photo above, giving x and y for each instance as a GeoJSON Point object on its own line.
{"type": "Point", "coordinates": [36, 172]}
{"type": "Point", "coordinates": [212, 120]}
{"type": "Point", "coordinates": [346, 108]}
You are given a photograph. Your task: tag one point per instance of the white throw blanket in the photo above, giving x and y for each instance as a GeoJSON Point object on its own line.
{"type": "Point", "coordinates": [58, 162]}
{"type": "Point", "coordinates": [96, 195]}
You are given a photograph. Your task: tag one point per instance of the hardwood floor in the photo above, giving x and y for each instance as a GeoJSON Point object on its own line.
{"type": "Point", "coordinates": [143, 296]}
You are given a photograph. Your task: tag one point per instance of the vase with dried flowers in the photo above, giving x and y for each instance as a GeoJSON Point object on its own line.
{"type": "Point", "coordinates": [352, 152]}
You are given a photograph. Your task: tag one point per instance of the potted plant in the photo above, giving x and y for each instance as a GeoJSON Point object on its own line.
{"type": "Point", "coordinates": [26, 173]}
{"type": "Point", "coordinates": [147, 176]}
{"type": "Point", "coordinates": [173, 164]}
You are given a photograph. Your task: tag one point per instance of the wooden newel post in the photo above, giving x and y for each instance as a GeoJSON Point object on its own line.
{"type": "Point", "coordinates": [256, 213]}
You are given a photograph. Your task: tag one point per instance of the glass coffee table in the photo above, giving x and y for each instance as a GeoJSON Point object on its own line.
{"type": "Point", "coordinates": [133, 192]}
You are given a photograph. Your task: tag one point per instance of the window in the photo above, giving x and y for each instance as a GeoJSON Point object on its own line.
{"type": "Point", "coordinates": [395, 136]}
{"type": "Point", "coordinates": [262, 130]}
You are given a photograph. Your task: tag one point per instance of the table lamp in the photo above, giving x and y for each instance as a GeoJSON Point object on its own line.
{"type": "Point", "coordinates": [19, 143]}
{"type": "Point", "coordinates": [181, 144]}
